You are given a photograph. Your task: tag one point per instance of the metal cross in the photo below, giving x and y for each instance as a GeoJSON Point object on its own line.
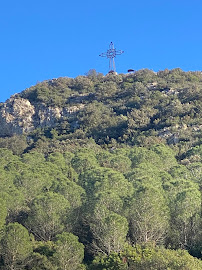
{"type": "Point", "coordinates": [111, 54]}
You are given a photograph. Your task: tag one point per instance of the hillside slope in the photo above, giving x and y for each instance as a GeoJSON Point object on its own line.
{"type": "Point", "coordinates": [141, 108]}
{"type": "Point", "coordinates": [102, 172]}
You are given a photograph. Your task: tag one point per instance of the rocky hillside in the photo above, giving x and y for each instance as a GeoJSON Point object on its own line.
{"type": "Point", "coordinates": [103, 172]}
{"type": "Point", "coordinates": [18, 116]}
{"type": "Point", "coordinates": [140, 108]}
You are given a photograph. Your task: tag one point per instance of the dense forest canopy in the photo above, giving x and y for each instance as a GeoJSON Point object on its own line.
{"type": "Point", "coordinates": [116, 185]}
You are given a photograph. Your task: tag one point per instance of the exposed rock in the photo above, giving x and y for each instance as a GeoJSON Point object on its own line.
{"type": "Point", "coordinates": [173, 137]}
{"type": "Point", "coordinates": [18, 116]}
{"type": "Point", "coordinates": [152, 86]}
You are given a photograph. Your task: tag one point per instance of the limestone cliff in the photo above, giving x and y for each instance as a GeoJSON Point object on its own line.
{"type": "Point", "coordinates": [18, 116]}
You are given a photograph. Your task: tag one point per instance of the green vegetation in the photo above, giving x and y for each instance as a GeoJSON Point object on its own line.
{"type": "Point", "coordinates": [117, 185]}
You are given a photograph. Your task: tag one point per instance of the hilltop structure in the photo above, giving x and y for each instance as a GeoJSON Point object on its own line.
{"type": "Point", "coordinates": [111, 53]}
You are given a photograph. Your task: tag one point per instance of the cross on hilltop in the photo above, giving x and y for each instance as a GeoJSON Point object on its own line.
{"type": "Point", "coordinates": [111, 53]}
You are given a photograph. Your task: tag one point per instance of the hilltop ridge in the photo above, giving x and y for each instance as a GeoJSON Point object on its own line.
{"type": "Point", "coordinates": [141, 108]}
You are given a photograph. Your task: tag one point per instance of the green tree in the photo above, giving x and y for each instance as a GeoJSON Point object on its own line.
{"type": "Point", "coordinates": [104, 179]}
{"type": "Point", "coordinates": [83, 84]}
{"type": "Point", "coordinates": [75, 195]}
{"type": "Point", "coordinates": [7, 192]}
{"type": "Point", "coordinates": [149, 216]}
{"type": "Point", "coordinates": [17, 144]}
{"type": "Point", "coordinates": [16, 246]}
{"type": "Point", "coordinates": [69, 253]}
{"type": "Point", "coordinates": [185, 208]}
{"type": "Point", "coordinates": [48, 215]}
{"type": "Point", "coordinates": [154, 258]}
{"type": "Point", "coordinates": [166, 155]}
{"type": "Point", "coordinates": [31, 184]}
{"type": "Point", "coordinates": [109, 231]}
{"type": "Point", "coordinates": [83, 160]}
{"type": "Point", "coordinates": [3, 214]}
{"type": "Point", "coordinates": [107, 88]}
{"type": "Point", "coordinates": [117, 160]}
{"type": "Point", "coordinates": [94, 124]}
{"type": "Point", "coordinates": [42, 257]}
{"type": "Point", "coordinates": [149, 257]}
{"type": "Point", "coordinates": [111, 262]}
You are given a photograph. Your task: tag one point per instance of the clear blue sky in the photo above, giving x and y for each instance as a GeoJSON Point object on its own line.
{"type": "Point", "coordinates": [44, 39]}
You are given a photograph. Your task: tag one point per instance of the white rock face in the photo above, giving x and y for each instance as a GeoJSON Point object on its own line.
{"type": "Point", "coordinates": [47, 116]}
{"type": "Point", "coordinates": [18, 116]}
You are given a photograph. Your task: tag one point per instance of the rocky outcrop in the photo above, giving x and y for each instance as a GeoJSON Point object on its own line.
{"type": "Point", "coordinates": [18, 116]}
